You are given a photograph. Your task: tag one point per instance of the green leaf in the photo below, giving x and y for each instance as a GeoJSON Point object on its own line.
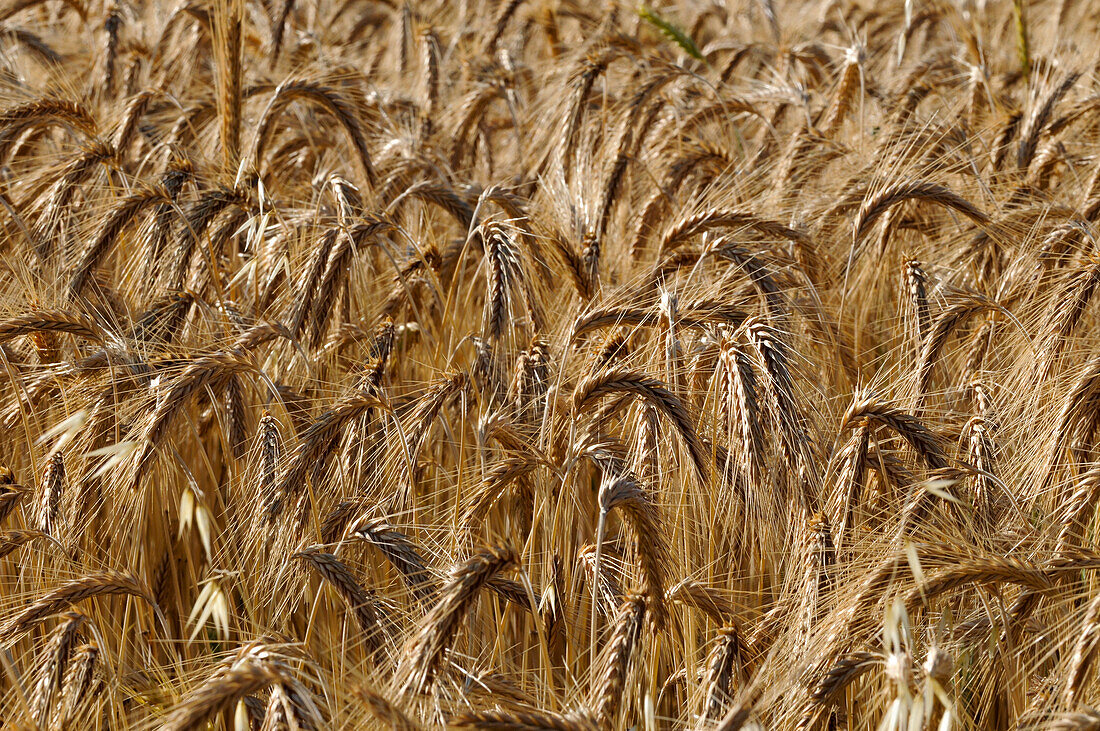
{"type": "Point", "coordinates": [674, 34]}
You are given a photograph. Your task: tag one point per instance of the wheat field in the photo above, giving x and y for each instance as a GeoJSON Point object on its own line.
{"type": "Point", "coordinates": [410, 364]}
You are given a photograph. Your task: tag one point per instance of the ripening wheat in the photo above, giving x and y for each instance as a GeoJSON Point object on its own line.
{"type": "Point", "coordinates": [549, 365]}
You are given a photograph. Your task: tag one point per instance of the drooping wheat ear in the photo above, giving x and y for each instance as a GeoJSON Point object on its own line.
{"type": "Point", "coordinates": [503, 273]}
{"type": "Point", "coordinates": [236, 415]}
{"type": "Point", "coordinates": [228, 62]}
{"type": "Point", "coordinates": [11, 493]}
{"type": "Point", "coordinates": [916, 280]}
{"type": "Point", "coordinates": [381, 347]}
{"type": "Point", "coordinates": [514, 593]}
{"type": "Point", "coordinates": [1023, 53]}
{"type": "Point", "coordinates": [760, 269]}
{"type": "Point", "coordinates": [574, 266]}
{"type": "Point", "coordinates": [1036, 123]}
{"type": "Point", "coordinates": [923, 441]}
{"type": "Point", "coordinates": [903, 190]}
{"type": "Point", "coordinates": [127, 125]}
{"type": "Point", "coordinates": [932, 345]}
{"type": "Point", "coordinates": [111, 25]}
{"type": "Point", "coordinates": [212, 371]}
{"type": "Point", "coordinates": [706, 599]}
{"type": "Point", "coordinates": [517, 720]}
{"type": "Point", "coordinates": [278, 712]}
{"type": "Point", "coordinates": [316, 445]}
{"type": "Point", "coordinates": [593, 66]}
{"type": "Point", "coordinates": [439, 193]}
{"type": "Point", "coordinates": [471, 112]}
{"type": "Point", "coordinates": [53, 482]}
{"type": "Point", "coordinates": [429, 406]}
{"type": "Point", "coordinates": [507, 10]}
{"type": "Point", "coordinates": [849, 480]}
{"type": "Point", "coordinates": [488, 493]}
{"type": "Point", "coordinates": [328, 99]}
{"type": "Point", "coordinates": [359, 600]}
{"type": "Point", "coordinates": [531, 379]}
{"type": "Point", "coordinates": [429, 67]}
{"type": "Point", "coordinates": [13, 540]}
{"type": "Point", "coordinates": [1074, 417]}
{"type": "Point", "coordinates": [86, 587]}
{"type": "Point", "coordinates": [1067, 307]}
{"type": "Point", "coordinates": [335, 523]}
{"type": "Point", "coordinates": [404, 39]}
{"type": "Point", "coordinates": [1078, 511]}
{"type": "Point", "coordinates": [610, 591]}
{"type": "Point", "coordinates": [1084, 653]}
{"type": "Point", "coordinates": [699, 315]}
{"type": "Point", "coordinates": [590, 262]}
{"type": "Point", "coordinates": [981, 452]}
{"type": "Point", "coordinates": [65, 187]}
{"type": "Point", "coordinates": [695, 224]}
{"type": "Point", "coordinates": [552, 610]}
{"type": "Point", "coordinates": [52, 321]}
{"type": "Point", "coordinates": [427, 647]}
{"type": "Point", "coordinates": [740, 407]}
{"type": "Point", "coordinates": [660, 199]}
{"type": "Point", "coordinates": [640, 512]}
{"type": "Point", "coordinates": [846, 91]}
{"type": "Point", "coordinates": [333, 280]}
{"type": "Point", "coordinates": [291, 706]}
{"type": "Point", "coordinates": [123, 214]}
{"type": "Point", "coordinates": [740, 712]}
{"type": "Point", "coordinates": [622, 380]}
{"type": "Point", "coordinates": [612, 186]}
{"type": "Point", "coordinates": [163, 319]}
{"type": "Point", "coordinates": [613, 665]}
{"type": "Point", "coordinates": [270, 449]}
{"type": "Point", "coordinates": [824, 690]}
{"type": "Point", "coordinates": [385, 711]}
{"type": "Point", "coordinates": [727, 664]}
{"type": "Point", "coordinates": [647, 428]}
{"type": "Point", "coordinates": [981, 570]}
{"type": "Point", "coordinates": [80, 688]}
{"type": "Point", "coordinates": [254, 668]}
{"type": "Point", "coordinates": [198, 219]}
{"type": "Point", "coordinates": [402, 554]}
{"type": "Point", "coordinates": [818, 578]}
{"type": "Point", "coordinates": [46, 111]}
{"type": "Point", "coordinates": [278, 29]}
{"type": "Point", "coordinates": [51, 668]}
{"type": "Point", "coordinates": [629, 138]}
{"type": "Point", "coordinates": [310, 279]}
{"type": "Point", "coordinates": [779, 386]}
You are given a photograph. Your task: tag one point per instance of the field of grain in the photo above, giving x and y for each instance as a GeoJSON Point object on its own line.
{"type": "Point", "coordinates": [545, 364]}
